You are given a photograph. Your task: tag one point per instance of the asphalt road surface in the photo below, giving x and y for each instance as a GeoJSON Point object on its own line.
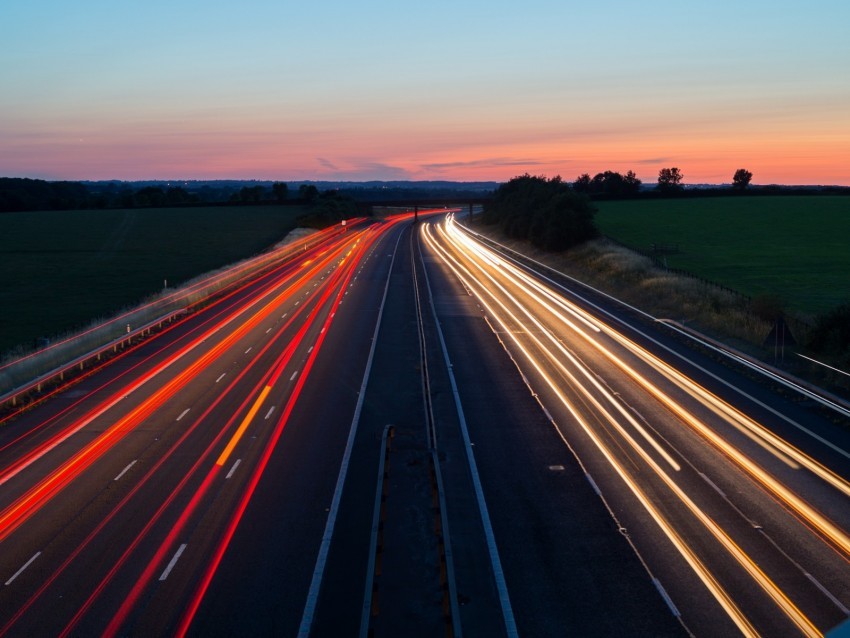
{"type": "Point", "coordinates": [403, 433]}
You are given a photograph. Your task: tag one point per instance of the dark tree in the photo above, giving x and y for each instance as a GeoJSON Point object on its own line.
{"type": "Point", "coordinates": [609, 184]}
{"type": "Point", "coordinates": [632, 182]}
{"type": "Point", "coordinates": [741, 179]}
{"type": "Point", "coordinates": [308, 192]}
{"type": "Point", "coordinates": [177, 195]}
{"type": "Point", "coordinates": [547, 212]}
{"type": "Point", "coordinates": [670, 180]}
{"type": "Point", "coordinates": [582, 183]}
{"type": "Point", "coordinates": [251, 193]}
{"type": "Point", "coordinates": [329, 208]}
{"type": "Point", "coordinates": [149, 196]}
{"type": "Point", "coordinates": [280, 191]}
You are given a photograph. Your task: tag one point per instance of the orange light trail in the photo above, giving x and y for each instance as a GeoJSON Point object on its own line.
{"type": "Point", "coordinates": [483, 283]}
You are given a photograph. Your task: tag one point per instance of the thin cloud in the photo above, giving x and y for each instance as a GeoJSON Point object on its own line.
{"type": "Point", "coordinates": [495, 161]}
{"type": "Point", "coordinates": [653, 160]}
{"type": "Point", "coordinates": [327, 164]}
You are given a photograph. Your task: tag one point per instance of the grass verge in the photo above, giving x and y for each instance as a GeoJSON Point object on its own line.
{"type": "Point", "coordinates": [63, 269]}
{"type": "Point", "coordinates": [794, 248]}
{"type": "Point", "coordinates": [722, 315]}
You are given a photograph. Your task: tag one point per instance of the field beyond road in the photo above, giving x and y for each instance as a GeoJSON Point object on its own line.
{"type": "Point", "coordinates": [796, 248]}
{"type": "Point", "coordinates": [62, 269]}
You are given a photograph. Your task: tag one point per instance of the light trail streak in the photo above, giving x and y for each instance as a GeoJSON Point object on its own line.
{"type": "Point", "coordinates": [267, 281]}
{"type": "Point", "coordinates": [273, 376]}
{"type": "Point", "coordinates": [144, 580]}
{"type": "Point", "coordinates": [184, 293]}
{"type": "Point", "coordinates": [585, 372]}
{"type": "Point", "coordinates": [19, 511]}
{"type": "Point", "coordinates": [280, 424]}
{"type": "Point", "coordinates": [485, 292]}
{"type": "Point", "coordinates": [146, 479]}
{"type": "Point", "coordinates": [787, 453]}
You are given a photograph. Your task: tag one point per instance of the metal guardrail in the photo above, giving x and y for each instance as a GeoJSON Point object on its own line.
{"type": "Point", "coordinates": [13, 396]}
{"type": "Point", "coordinates": [103, 337]}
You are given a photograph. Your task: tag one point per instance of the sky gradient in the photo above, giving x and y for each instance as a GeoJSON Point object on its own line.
{"type": "Point", "coordinates": [463, 90]}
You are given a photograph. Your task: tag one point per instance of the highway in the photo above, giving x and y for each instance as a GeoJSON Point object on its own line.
{"type": "Point", "coordinates": [402, 432]}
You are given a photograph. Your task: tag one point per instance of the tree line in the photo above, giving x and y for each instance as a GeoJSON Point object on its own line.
{"type": "Point", "coordinates": [613, 185]}
{"type": "Point", "coordinates": [555, 215]}
{"type": "Point", "coordinates": [24, 194]}
{"type": "Point", "coordinates": [548, 212]}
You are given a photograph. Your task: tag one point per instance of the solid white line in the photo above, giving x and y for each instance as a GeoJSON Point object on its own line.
{"type": "Point", "coordinates": [233, 469]}
{"type": "Point", "coordinates": [726, 353]}
{"type": "Point", "coordinates": [173, 562]}
{"type": "Point", "coordinates": [593, 484]}
{"type": "Point", "coordinates": [829, 595]}
{"type": "Point", "coordinates": [220, 378]}
{"type": "Point", "coordinates": [269, 413]}
{"type": "Point", "coordinates": [294, 374]}
{"type": "Point", "coordinates": [821, 363]}
{"type": "Point", "coordinates": [322, 558]}
{"type": "Point", "coordinates": [710, 482]}
{"type": "Point", "coordinates": [365, 614]}
{"type": "Point", "coordinates": [489, 534]}
{"type": "Point", "coordinates": [21, 570]}
{"type": "Point", "coordinates": [183, 413]}
{"type": "Point", "coordinates": [666, 598]}
{"type": "Point", "coordinates": [124, 471]}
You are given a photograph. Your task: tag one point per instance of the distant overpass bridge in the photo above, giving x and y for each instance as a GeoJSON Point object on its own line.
{"type": "Point", "coordinates": [468, 204]}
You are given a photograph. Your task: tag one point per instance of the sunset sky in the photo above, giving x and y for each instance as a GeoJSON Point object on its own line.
{"type": "Point", "coordinates": [457, 90]}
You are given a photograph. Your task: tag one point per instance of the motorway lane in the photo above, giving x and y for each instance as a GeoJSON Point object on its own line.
{"type": "Point", "coordinates": [261, 585]}
{"type": "Point", "coordinates": [157, 505]}
{"type": "Point", "coordinates": [78, 508]}
{"type": "Point", "coordinates": [797, 546]}
{"type": "Point", "coordinates": [569, 570]}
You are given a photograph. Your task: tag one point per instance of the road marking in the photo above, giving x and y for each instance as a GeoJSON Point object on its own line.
{"type": "Point", "coordinates": [124, 471]}
{"type": "Point", "coordinates": [324, 548]}
{"type": "Point", "coordinates": [248, 350]}
{"type": "Point", "coordinates": [268, 331]}
{"type": "Point", "coordinates": [220, 378]}
{"type": "Point", "coordinates": [173, 562]}
{"type": "Point", "coordinates": [310, 350]}
{"type": "Point", "coordinates": [233, 469]}
{"type": "Point", "coordinates": [21, 570]}
{"type": "Point", "coordinates": [243, 426]}
{"type": "Point", "coordinates": [294, 374]}
{"type": "Point", "coordinates": [556, 468]}
{"type": "Point", "coordinates": [183, 413]}
{"type": "Point", "coordinates": [828, 594]}
{"type": "Point", "coordinates": [710, 482]}
{"type": "Point", "coordinates": [283, 316]}
{"type": "Point", "coordinates": [269, 413]}
{"type": "Point", "coordinates": [666, 598]}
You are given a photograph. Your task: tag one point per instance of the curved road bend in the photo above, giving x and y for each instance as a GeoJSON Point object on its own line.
{"type": "Point", "coordinates": [222, 479]}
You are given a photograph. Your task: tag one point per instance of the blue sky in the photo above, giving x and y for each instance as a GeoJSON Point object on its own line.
{"type": "Point", "coordinates": [439, 90]}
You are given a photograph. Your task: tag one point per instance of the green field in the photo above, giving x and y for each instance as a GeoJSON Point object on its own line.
{"type": "Point", "coordinates": [61, 269]}
{"type": "Point", "coordinates": [794, 247]}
